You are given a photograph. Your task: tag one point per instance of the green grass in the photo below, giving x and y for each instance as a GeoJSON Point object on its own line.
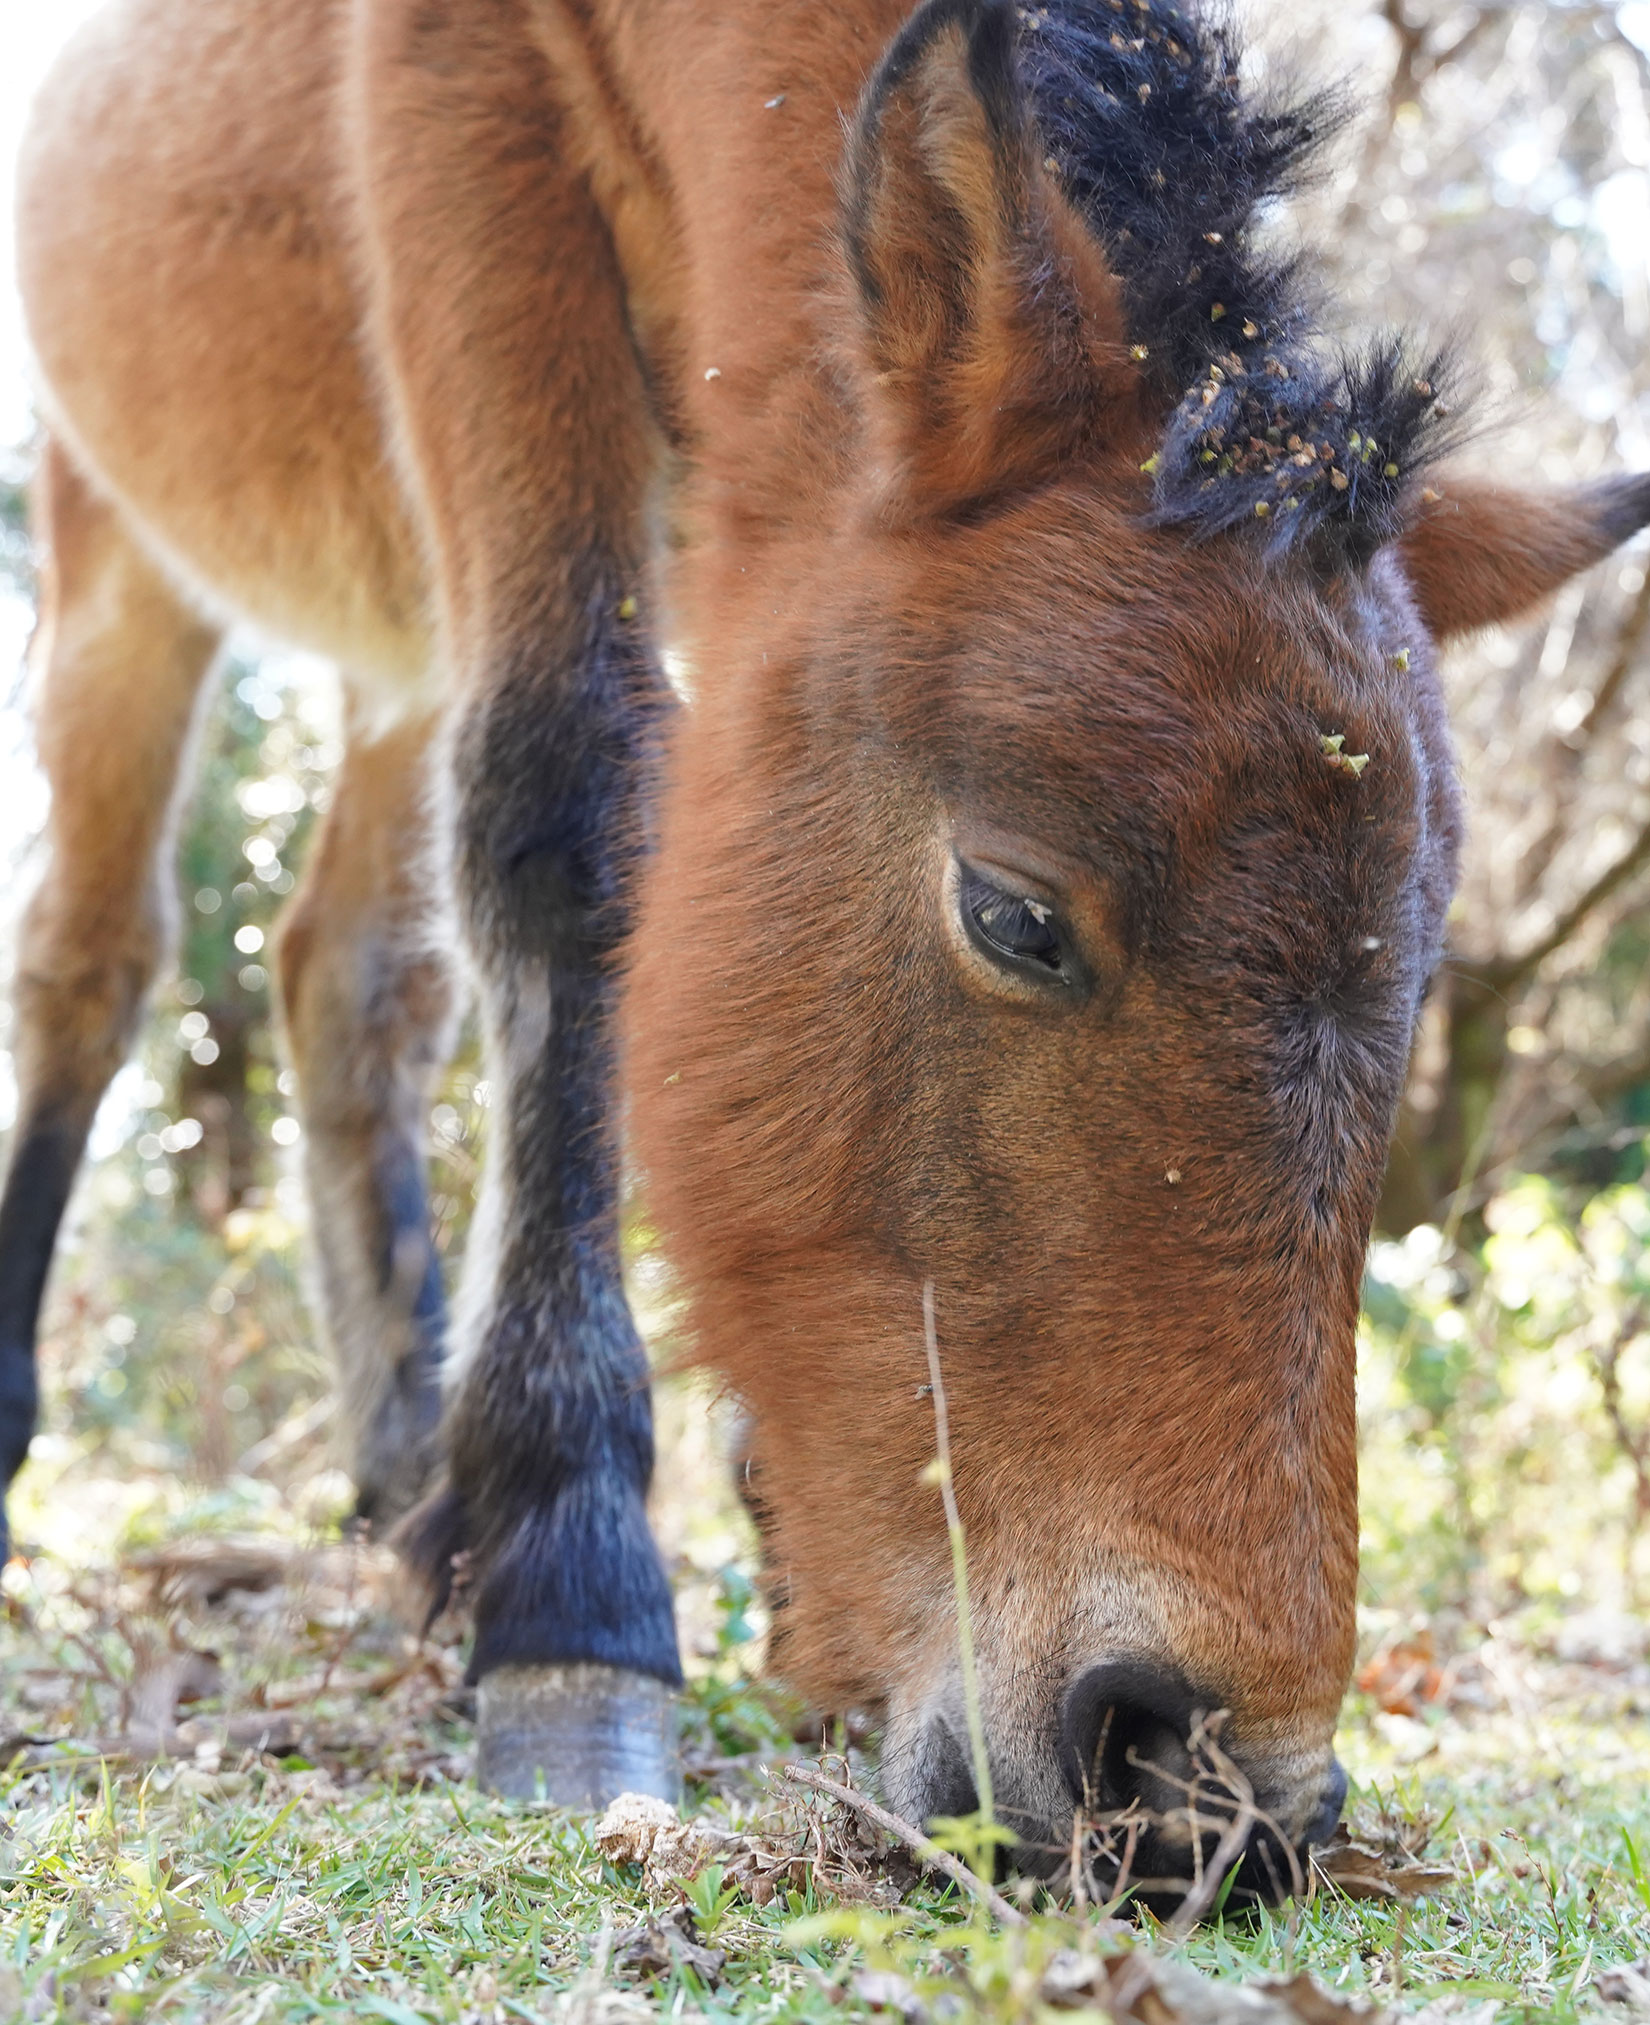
{"type": "Point", "coordinates": [290, 1890]}
{"type": "Point", "coordinates": [358, 1875]}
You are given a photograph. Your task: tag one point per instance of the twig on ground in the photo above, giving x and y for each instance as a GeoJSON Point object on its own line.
{"type": "Point", "coordinates": [349, 1631]}
{"type": "Point", "coordinates": [1136, 1976]}
{"type": "Point", "coordinates": [1079, 1881]}
{"type": "Point", "coordinates": [928, 1852]}
{"type": "Point", "coordinates": [737, 1761]}
{"type": "Point", "coordinates": [1232, 1843]}
{"type": "Point", "coordinates": [295, 1428]}
{"type": "Point", "coordinates": [1204, 1743]}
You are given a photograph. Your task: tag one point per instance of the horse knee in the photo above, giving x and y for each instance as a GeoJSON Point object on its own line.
{"type": "Point", "coordinates": [80, 992]}
{"type": "Point", "coordinates": [547, 765]}
{"type": "Point", "coordinates": [368, 1014]}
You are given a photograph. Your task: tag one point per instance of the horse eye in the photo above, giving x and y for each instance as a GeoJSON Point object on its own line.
{"type": "Point", "coordinates": [1011, 927]}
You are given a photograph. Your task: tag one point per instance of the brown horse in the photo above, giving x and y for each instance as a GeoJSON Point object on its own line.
{"type": "Point", "coordinates": [1040, 887]}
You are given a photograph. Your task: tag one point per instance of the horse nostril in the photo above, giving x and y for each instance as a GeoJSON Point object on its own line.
{"type": "Point", "coordinates": [1123, 1736]}
{"type": "Point", "coordinates": [1131, 1736]}
{"type": "Point", "coordinates": [1329, 1808]}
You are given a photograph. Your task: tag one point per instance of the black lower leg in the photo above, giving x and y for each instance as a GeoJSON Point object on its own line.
{"type": "Point", "coordinates": [45, 1154]}
{"type": "Point", "coordinates": [550, 1441]}
{"type": "Point", "coordinates": [397, 1450]}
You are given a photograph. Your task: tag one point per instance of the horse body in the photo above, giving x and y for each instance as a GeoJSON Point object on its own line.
{"type": "Point", "coordinates": [213, 378]}
{"type": "Point", "coordinates": [1019, 921]}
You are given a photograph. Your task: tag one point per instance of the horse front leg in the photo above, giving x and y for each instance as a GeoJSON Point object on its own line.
{"type": "Point", "coordinates": [498, 318]}
{"type": "Point", "coordinates": [550, 1439]}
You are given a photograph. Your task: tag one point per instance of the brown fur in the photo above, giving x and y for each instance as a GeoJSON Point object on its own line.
{"type": "Point", "coordinates": [557, 284]}
{"type": "Point", "coordinates": [100, 922]}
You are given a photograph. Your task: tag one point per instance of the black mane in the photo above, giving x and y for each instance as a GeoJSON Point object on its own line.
{"type": "Point", "coordinates": [1152, 137]}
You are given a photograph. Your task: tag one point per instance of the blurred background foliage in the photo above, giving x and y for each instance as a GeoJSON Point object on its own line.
{"type": "Point", "coordinates": [1498, 185]}
{"type": "Point", "coordinates": [179, 1355]}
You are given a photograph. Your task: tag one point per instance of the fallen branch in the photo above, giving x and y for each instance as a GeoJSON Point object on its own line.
{"type": "Point", "coordinates": [1567, 749]}
{"type": "Point", "coordinates": [928, 1853]}
{"type": "Point", "coordinates": [1507, 973]}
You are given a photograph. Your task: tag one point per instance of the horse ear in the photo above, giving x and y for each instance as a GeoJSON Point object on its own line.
{"type": "Point", "coordinates": [1481, 553]}
{"type": "Point", "coordinates": [991, 329]}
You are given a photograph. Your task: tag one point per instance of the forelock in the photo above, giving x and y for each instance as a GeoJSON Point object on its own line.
{"type": "Point", "coordinates": [1152, 134]}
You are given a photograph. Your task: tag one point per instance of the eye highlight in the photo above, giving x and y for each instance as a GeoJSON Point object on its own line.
{"type": "Point", "coordinates": [1012, 928]}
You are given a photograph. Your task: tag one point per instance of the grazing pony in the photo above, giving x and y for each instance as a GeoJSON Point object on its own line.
{"type": "Point", "coordinates": [1032, 900]}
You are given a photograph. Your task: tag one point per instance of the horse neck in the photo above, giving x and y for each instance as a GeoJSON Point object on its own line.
{"type": "Point", "coordinates": [733, 116]}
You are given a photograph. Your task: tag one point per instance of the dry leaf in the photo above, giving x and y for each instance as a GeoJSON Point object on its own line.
{"type": "Point", "coordinates": [1360, 1870]}
{"type": "Point", "coordinates": [203, 1571]}
{"type": "Point", "coordinates": [1072, 1980]}
{"type": "Point", "coordinates": [1313, 2005]}
{"type": "Point", "coordinates": [656, 1947]}
{"type": "Point", "coordinates": [1403, 1677]}
{"type": "Point", "coordinates": [883, 1990]}
{"type": "Point", "coordinates": [1147, 1990]}
{"type": "Point", "coordinates": [1628, 1984]}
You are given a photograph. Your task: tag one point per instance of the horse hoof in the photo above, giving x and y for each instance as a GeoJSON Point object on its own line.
{"type": "Point", "coordinates": [575, 1735]}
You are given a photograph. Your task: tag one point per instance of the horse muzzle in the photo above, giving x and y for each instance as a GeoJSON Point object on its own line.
{"type": "Point", "coordinates": [1142, 1794]}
